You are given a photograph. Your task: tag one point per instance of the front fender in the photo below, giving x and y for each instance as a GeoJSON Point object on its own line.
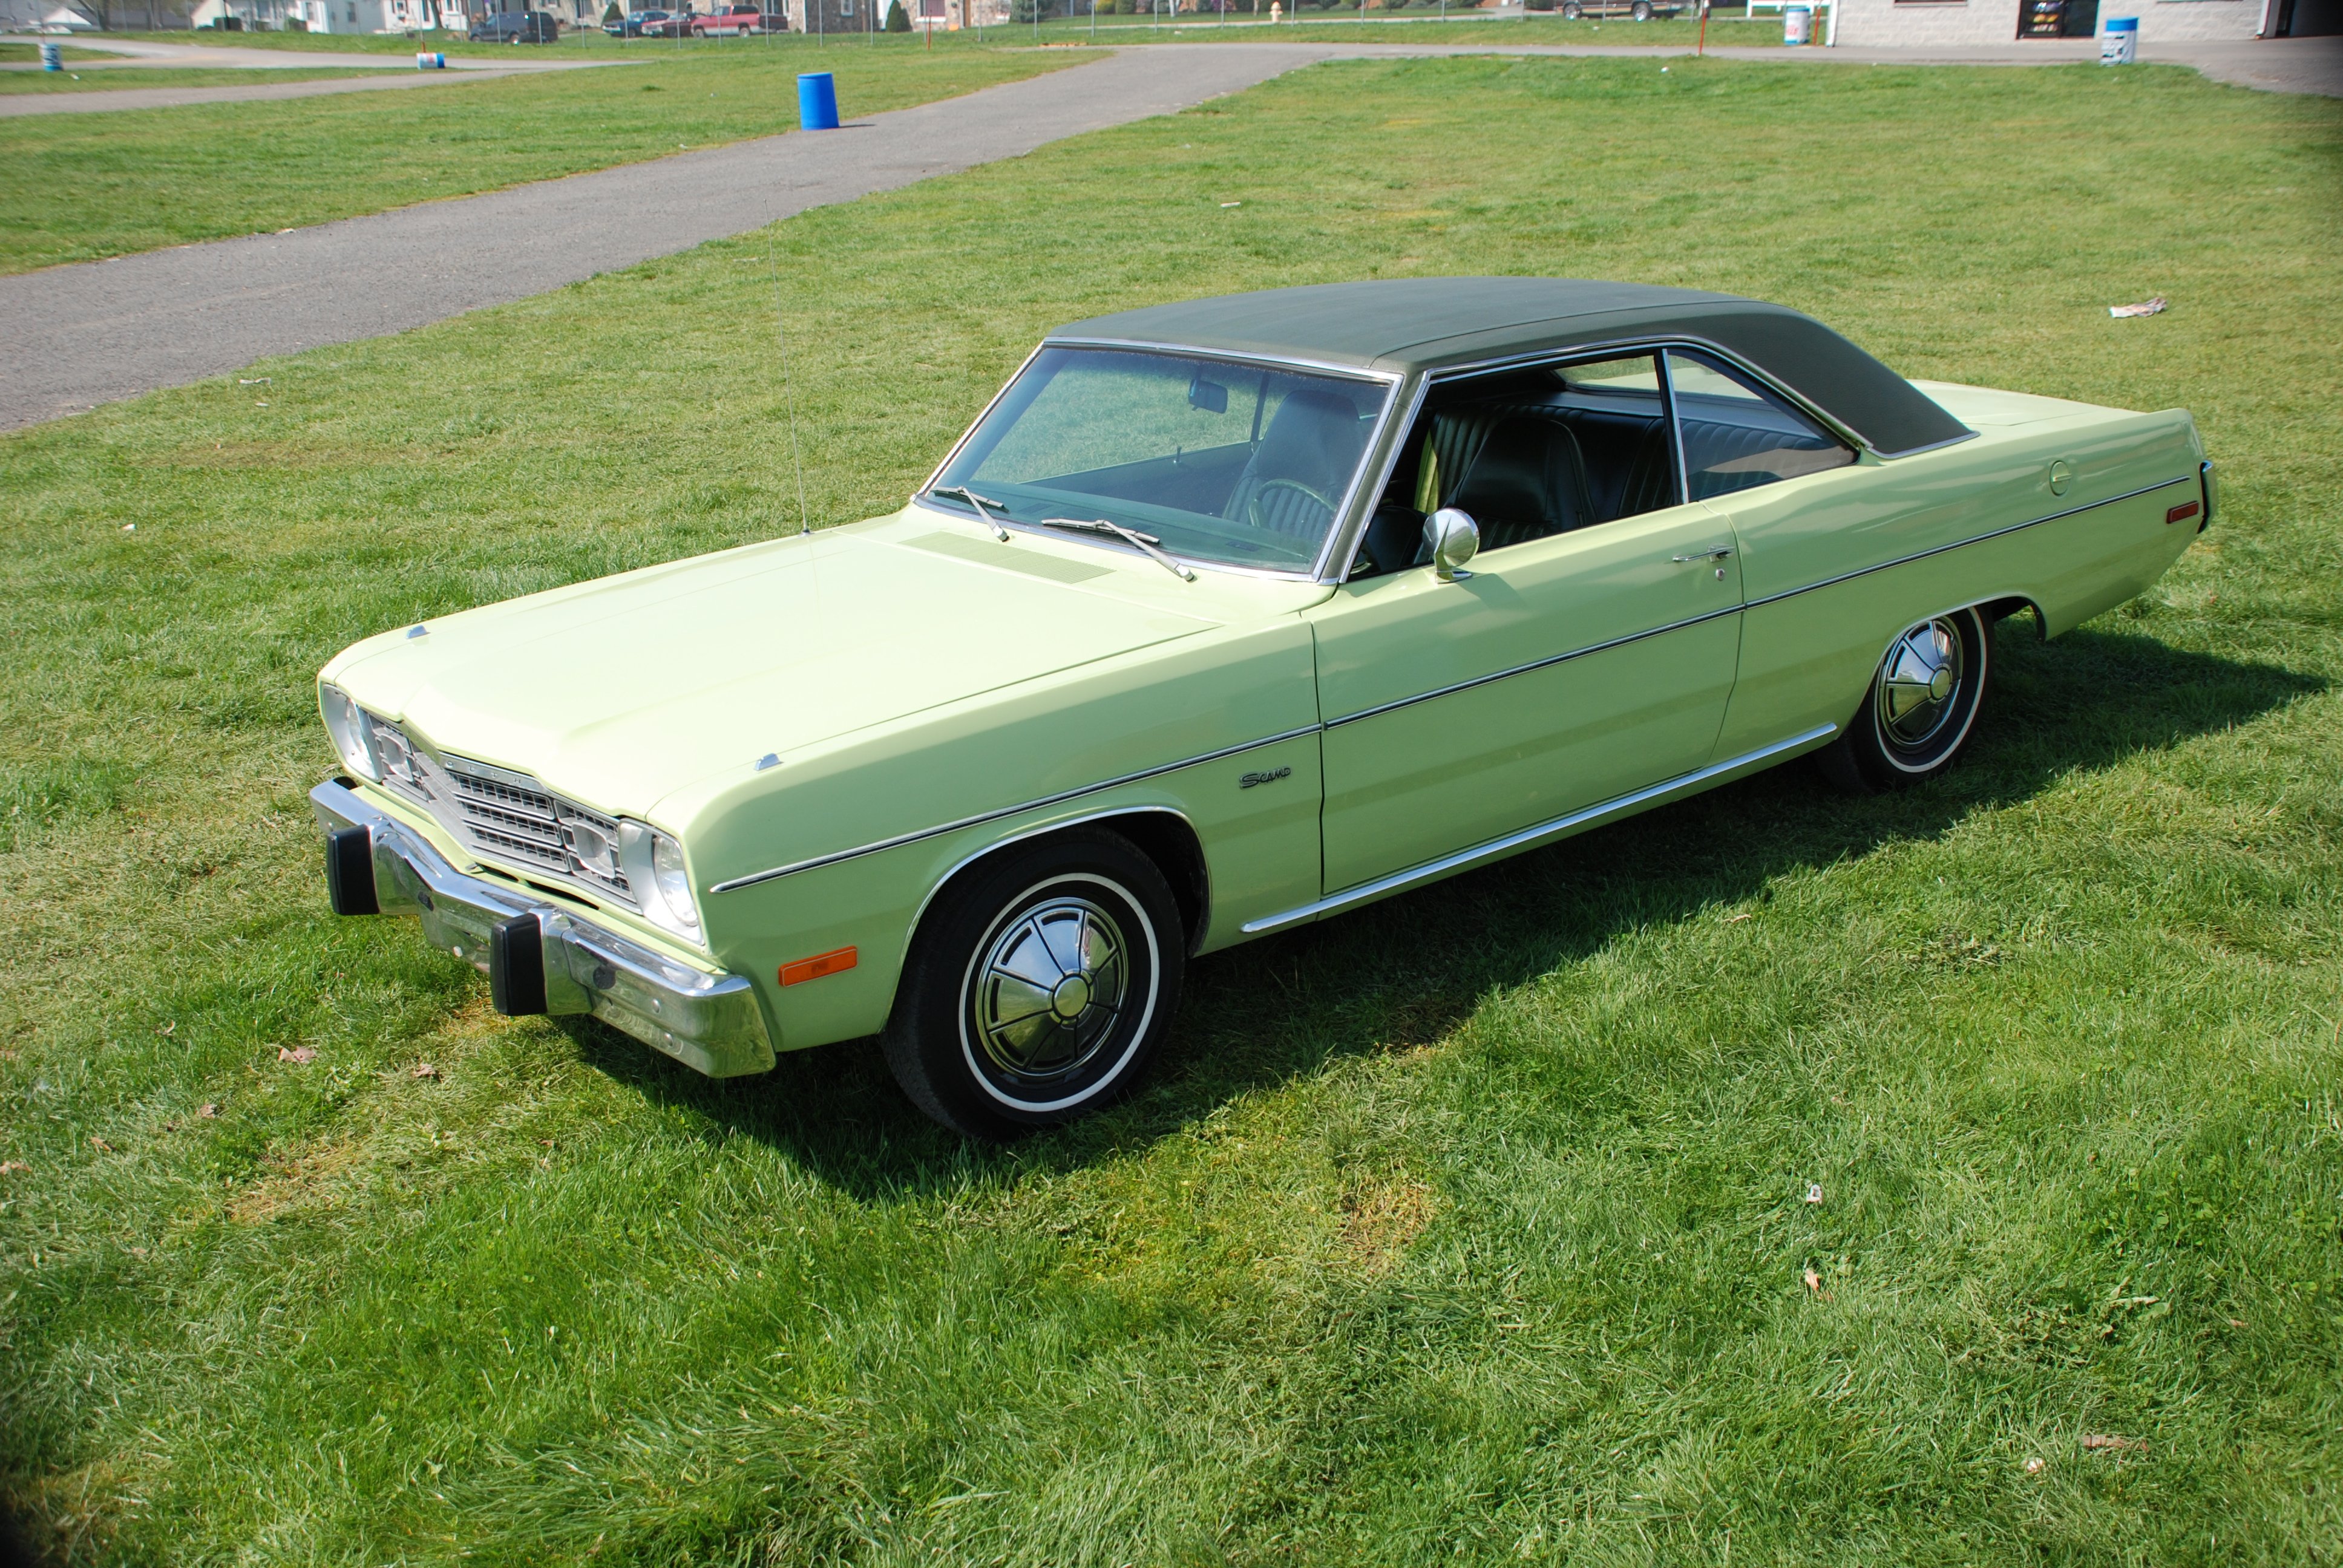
{"type": "Point", "coordinates": [848, 850]}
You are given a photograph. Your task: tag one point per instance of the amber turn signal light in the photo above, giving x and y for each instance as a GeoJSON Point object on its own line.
{"type": "Point", "coordinates": [2181, 514]}
{"type": "Point", "coordinates": [820, 964]}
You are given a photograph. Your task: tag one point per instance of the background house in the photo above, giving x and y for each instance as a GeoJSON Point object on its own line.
{"type": "Point", "coordinates": [1891, 23]}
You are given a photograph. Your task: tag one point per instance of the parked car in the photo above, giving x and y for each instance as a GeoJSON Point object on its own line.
{"type": "Point", "coordinates": [515, 27]}
{"type": "Point", "coordinates": [776, 22]}
{"type": "Point", "coordinates": [736, 19]}
{"type": "Point", "coordinates": [631, 24]}
{"type": "Point", "coordinates": [1224, 617]}
{"type": "Point", "coordinates": [665, 23]}
{"type": "Point", "coordinates": [1634, 10]}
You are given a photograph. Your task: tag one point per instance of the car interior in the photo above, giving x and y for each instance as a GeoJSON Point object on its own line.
{"type": "Point", "coordinates": [1531, 453]}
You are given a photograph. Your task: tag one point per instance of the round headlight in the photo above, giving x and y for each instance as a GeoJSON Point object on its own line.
{"type": "Point", "coordinates": [348, 730]}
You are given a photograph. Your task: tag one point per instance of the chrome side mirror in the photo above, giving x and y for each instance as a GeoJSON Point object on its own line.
{"type": "Point", "coordinates": [1454, 539]}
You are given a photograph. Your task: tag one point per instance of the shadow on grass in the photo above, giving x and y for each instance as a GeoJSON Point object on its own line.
{"type": "Point", "coordinates": [1407, 970]}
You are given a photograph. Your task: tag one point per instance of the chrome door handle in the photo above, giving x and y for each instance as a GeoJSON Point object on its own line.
{"type": "Point", "coordinates": [1715, 554]}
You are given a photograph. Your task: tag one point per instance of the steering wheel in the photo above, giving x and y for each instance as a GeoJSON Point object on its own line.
{"type": "Point", "coordinates": [1253, 506]}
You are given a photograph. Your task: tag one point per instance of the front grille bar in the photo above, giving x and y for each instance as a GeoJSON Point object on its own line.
{"type": "Point", "coordinates": [504, 815]}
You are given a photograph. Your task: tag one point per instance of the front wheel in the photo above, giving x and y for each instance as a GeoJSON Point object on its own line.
{"type": "Point", "coordinates": [1038, 989]}
{"type": "Point", "coordinates": [1642, 11]}
{"type": "Point", "coordinates": [1572, 10]}
{"type": "Point", "coordinates": [1921, 708]}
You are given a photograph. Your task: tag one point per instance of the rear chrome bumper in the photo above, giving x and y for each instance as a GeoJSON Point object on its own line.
{"type": "Point", "coordinates": [540, 958]}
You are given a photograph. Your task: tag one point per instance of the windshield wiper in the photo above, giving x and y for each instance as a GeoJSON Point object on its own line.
{"type": "Point", "coordinates": [1146, 542]}
{"type": "Point", "coordinates": [978, 503]}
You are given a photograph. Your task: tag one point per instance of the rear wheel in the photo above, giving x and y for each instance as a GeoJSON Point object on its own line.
{"type": "Point", "coordinates": [1920, 709]}
{"type": "Point", "coordinates": [1038, 989]}
{"type": "Point", "coordinates": [1572, 10]}
{"type": "Point", "coordinates": [1642, 11]}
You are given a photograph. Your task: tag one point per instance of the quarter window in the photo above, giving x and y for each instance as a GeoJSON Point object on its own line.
{"type": "Point", "coordinates": [1737, 434]}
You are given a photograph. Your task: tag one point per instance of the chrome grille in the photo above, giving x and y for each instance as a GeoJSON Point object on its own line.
{"type": "Point", "coordinates": [523, 823]}
{"type": "Point", "coordinates": [506, 816]}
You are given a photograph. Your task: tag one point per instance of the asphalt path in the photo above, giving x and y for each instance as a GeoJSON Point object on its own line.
{"type": "Point", "coordinates": [94, 332]}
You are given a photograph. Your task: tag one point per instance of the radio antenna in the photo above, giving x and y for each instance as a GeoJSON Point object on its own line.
{"type": "Point", "coordinates": [788, 394]}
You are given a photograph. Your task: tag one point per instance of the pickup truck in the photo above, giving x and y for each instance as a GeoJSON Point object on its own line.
{"type": "Point", "coordinates": [734, 19]}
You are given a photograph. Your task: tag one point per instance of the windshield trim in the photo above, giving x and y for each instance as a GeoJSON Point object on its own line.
{"type": "Point", "coordinates": [1369, 453]}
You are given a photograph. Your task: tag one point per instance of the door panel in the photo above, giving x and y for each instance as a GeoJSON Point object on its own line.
{"type": "Point", "coordinates": [1565, 671]}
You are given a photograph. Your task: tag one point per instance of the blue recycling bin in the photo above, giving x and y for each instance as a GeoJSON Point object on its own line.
{"type": "Point", "coordinates": [817, 100]}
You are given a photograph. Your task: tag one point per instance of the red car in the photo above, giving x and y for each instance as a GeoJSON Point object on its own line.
{"type": "Point", "coordinates": [737, 18]}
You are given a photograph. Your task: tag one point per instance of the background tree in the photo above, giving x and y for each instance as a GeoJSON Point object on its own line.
{"type": "Point", "coordinates": [897, 19]}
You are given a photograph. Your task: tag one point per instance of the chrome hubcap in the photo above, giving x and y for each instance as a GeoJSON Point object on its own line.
{"type": "Point", "coordinates": [1050, 990]}
{"type": "Point", "coordinates": [1917, 683]}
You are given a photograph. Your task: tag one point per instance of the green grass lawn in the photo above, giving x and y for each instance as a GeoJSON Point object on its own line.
{"type": "Point", "coordinates": [69, 81]}
{"type": "Point", "coordinates": [76, 187]}
{"type": "Point", "coordinates": [1468, 1228]}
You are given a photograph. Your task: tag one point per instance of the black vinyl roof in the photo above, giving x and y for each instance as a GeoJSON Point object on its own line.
{"type": "Point", "coordinates": [1410, 325]}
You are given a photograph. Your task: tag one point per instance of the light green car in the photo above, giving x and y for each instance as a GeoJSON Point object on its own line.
{"type": "Point", "coordinates": [1225, 617]}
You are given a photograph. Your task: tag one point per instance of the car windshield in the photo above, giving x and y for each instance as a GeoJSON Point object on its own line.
{"type": "Point", "coordinates": [1240, 464]}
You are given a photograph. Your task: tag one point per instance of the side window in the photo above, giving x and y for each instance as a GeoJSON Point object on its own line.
{"type": "Point", "coordinates": [1529, 454]}
{"type": "Point", "coordinates": [1737, 435]}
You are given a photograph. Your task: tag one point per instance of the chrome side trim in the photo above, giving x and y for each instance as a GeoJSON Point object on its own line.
{"type": "Point", "coordinates": [1962, 544]}
{"type": "Point", "coordinates": [1736, 610]}
{"type": "Point", "coordinates": [1546, 663]}
{"type": "Point", "coordinates": [900, 839]}
{"type": "Point", "coordinates": [1529, 838]}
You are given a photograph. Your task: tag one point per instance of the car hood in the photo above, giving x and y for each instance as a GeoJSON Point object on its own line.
{"type": "Point", "coordinates": [620, 691]}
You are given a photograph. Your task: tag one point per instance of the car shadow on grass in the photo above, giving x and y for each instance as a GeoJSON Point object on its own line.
{"type": "Point", "coordinates": [1406, 971]}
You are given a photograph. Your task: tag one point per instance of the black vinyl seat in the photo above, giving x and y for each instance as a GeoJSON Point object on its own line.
{"type": "Point", "coordinates": [1527, 481]}
{"type": "Point", "coordinates": [1630, 468]}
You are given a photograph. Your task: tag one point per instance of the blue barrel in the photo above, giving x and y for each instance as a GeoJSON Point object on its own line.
{"type": "Point", "coordinates": [52, 58]}
{"type": "Point", "coordinates": [434, 61]}
{"type": "Point", "coordinates": [2119, 41]}
{"type": "Point", "coordinates": [816, 102]}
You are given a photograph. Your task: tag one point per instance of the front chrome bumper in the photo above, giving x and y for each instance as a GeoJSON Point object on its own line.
{"type": "Point", "coordinates": [566, 965]}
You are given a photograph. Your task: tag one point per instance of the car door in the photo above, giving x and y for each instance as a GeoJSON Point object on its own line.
{"type": "Point", "coordinates": [1570, 668]}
